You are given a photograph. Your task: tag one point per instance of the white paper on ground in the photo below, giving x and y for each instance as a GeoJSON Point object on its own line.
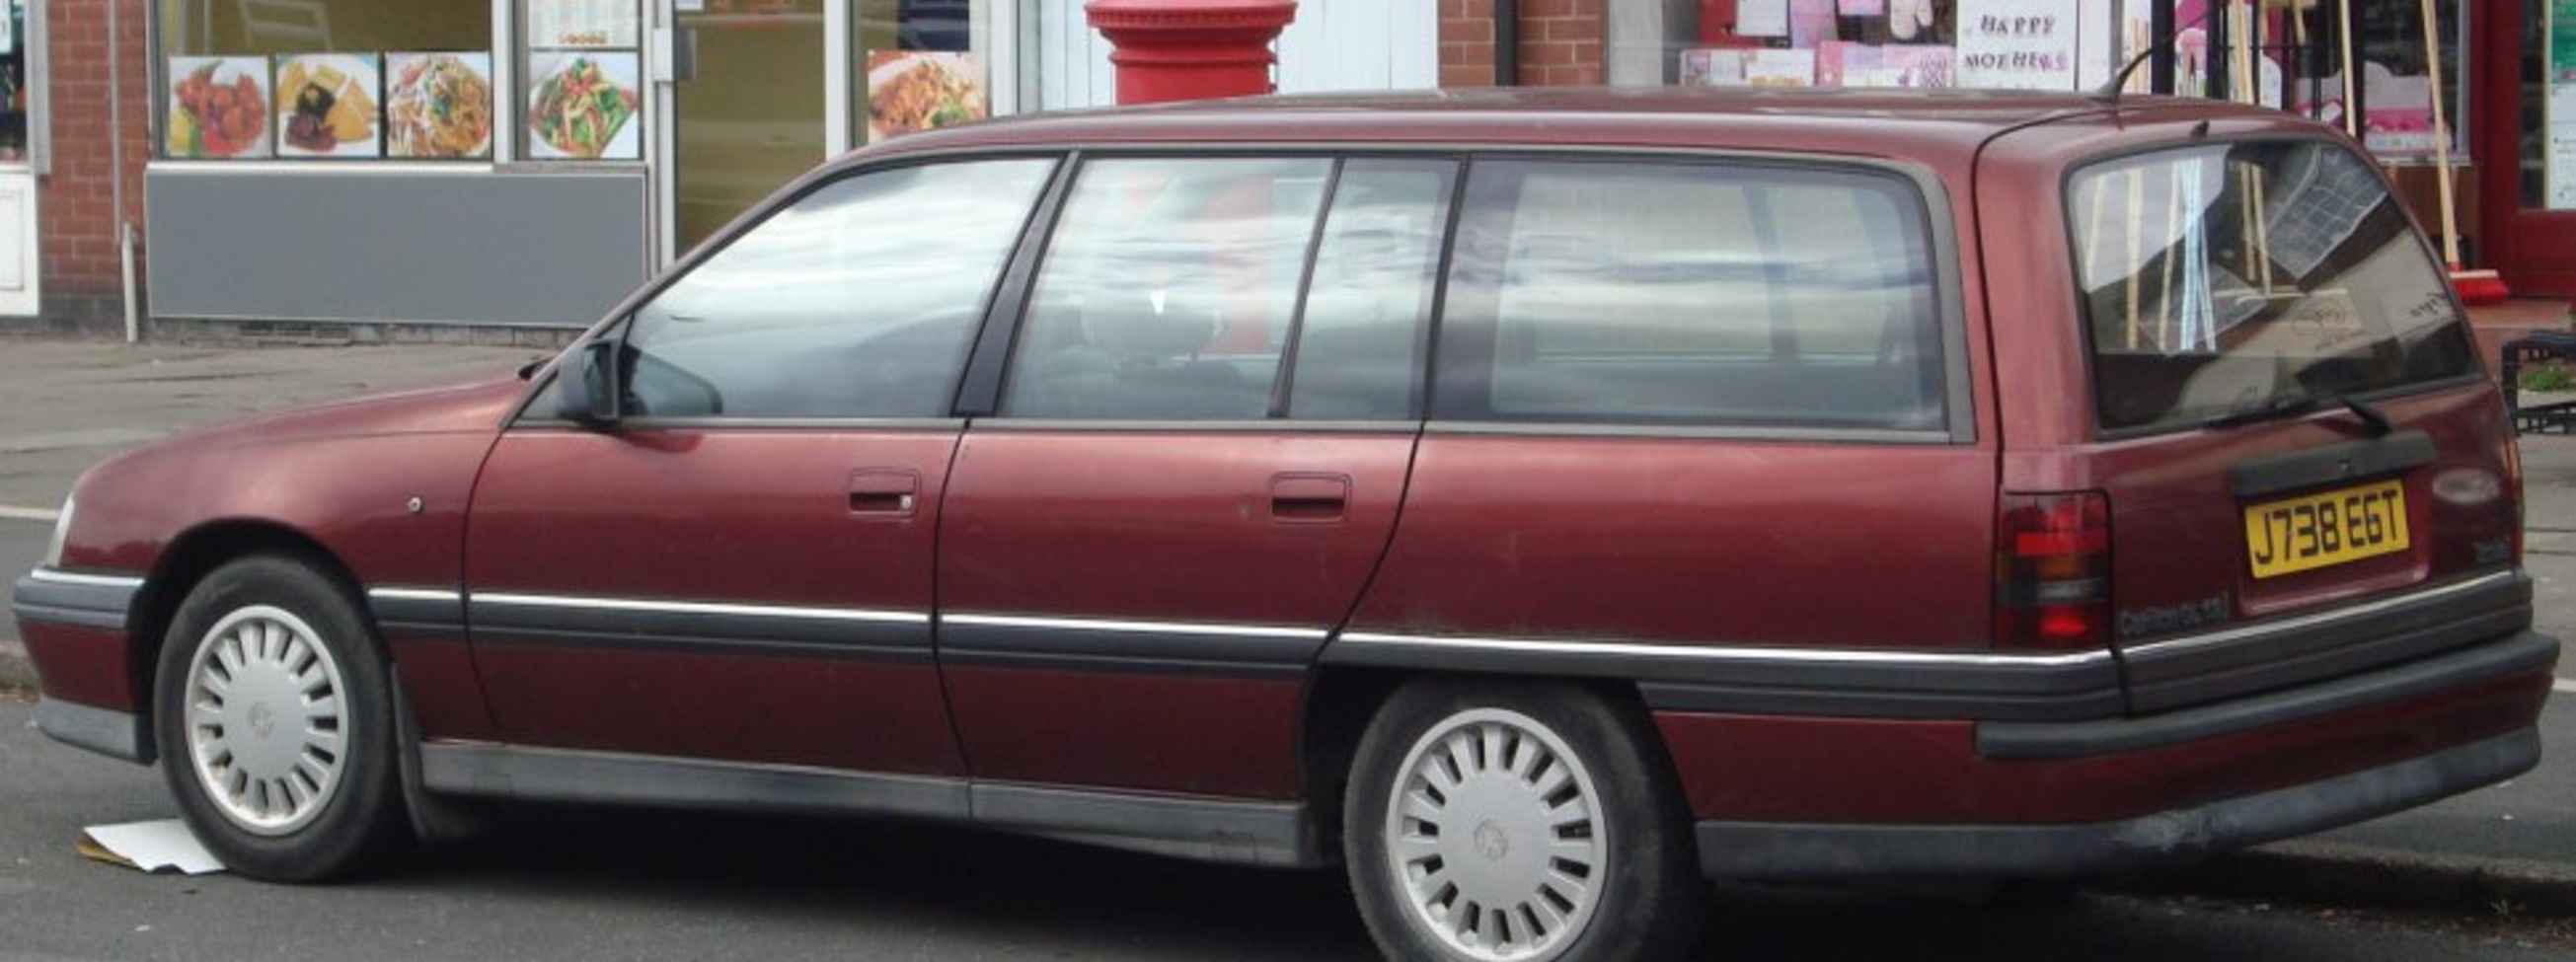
{"type": "Point", "coordinates": [149, 846]}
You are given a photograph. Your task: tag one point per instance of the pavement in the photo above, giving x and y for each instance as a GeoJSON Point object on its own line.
{"type": "Point", "coordinates": [2505, 849]}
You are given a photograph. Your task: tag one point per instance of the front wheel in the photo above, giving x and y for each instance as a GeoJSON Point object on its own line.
{"type": "Point", "coordinates": [275, 723]}
{"type": "Point", "coordinates": [1503, 821]}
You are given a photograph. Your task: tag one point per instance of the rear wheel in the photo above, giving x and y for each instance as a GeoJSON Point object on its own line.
{"type": "Point", "coordinates": [1502, 821]}
{"type": "Point", "coordinates": [275, 723]}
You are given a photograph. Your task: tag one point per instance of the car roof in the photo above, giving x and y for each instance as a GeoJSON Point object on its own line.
{"type": "Point", "coordinates": [1933, 126]}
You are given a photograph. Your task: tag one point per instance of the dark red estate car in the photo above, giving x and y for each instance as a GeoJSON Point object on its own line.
{"type": "Point", "coordinates": [1535, 501]}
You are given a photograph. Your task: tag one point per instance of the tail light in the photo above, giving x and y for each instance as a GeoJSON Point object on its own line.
{"type": "Point", "coordinates": [2053, 572]}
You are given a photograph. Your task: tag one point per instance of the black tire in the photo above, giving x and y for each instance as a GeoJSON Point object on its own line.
{"type": "Point", "coordinates": [1636, 890]}
{"type": "Point", "coordinates": [275, 799]}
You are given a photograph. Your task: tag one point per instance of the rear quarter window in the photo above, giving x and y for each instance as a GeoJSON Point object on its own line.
{"type": "Point", "coordinates": [2229, 277]}
{"type": "Point", "coordinates": [1692, 293]}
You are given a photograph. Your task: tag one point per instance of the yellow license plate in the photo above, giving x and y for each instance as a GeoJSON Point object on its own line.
{"type": "Point", "coordinates": [2321, 530]}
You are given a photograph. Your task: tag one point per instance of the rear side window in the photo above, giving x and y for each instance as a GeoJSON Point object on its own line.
{"type": "Point", "coordinates": [2231, 278]}
{"type": "Point", "coordinates": [1717, 294]}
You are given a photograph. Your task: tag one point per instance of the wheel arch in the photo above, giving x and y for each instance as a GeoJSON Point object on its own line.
{"type": "Point", "coordinates": [186, 562]}
{"type": "Point", "coordinates": [1342, 700]}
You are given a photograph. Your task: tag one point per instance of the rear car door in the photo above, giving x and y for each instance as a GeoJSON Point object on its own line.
{"type": "Point", "coordinates": [740, 568]}
{"type": "Point", "coordinates": [1196, 460]}
{"type": "Point", "coordinates": [1697, 403]}
{"type": "Point", "coordinates": [2306, 470]}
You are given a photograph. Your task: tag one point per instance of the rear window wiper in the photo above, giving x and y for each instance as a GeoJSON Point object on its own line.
{"type": "Point", "coordinates": [2281, 408]}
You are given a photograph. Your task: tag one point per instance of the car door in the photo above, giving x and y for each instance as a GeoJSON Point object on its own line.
{"type": "Point", "coordinates": [1195, 463]}
{"type": "Point", "coordinates": [739, 566]}
{"type": "Point", "coordinates": [1692, 402]}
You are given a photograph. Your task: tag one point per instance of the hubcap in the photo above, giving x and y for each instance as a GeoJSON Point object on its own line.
{"type": "Point", "coordinates": [264, 720]}
{"type": "Point", "coordinates": [1495, 834]}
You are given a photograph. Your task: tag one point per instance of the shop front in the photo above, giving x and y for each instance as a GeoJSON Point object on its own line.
{"type": "Point", "coordinates": [526, 162]}
{"type": "Point", "coordinates": [507, 162]}
{"type": "Point", "coordinates": [20, 275]}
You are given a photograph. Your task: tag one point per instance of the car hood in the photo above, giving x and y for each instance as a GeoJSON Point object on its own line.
{"type": "Point", "coordinates": [476, 406]}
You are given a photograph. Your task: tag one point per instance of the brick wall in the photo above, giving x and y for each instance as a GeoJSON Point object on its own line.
{"type": "Point", "coordinates": [74, 202]}
{"type": "Point", "coordinates": [1560, 43]}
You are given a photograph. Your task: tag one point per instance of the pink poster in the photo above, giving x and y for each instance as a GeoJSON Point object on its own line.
{"type": "Point", "coordinates": [1811, 23]}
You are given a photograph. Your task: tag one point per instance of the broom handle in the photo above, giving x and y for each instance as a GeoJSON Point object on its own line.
{"type": "Point", "coordinates": [2343, 39]}
{"type": "Point", "coordinates": [2441, 135]}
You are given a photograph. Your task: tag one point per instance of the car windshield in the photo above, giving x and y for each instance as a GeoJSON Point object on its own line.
{"type": "Point", "coordinates": [2243, 277]}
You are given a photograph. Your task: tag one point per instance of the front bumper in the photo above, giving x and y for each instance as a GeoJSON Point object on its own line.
{"type": "Point", "coordinates": [75, 629]}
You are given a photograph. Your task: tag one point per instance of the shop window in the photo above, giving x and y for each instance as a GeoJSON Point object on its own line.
{"type": "Point", "coordinates": [582, 84]}
{"type": "Point", "coordinates": [2397, 82]}
{"type": "Point", "coordinates": [922, 65]}
{"type": "Point", "coordinates": [2548, 129]}
{"type": "Point", "coordinates": [324, 79]}
{"type": "Point", "coordinates": [14, 44]}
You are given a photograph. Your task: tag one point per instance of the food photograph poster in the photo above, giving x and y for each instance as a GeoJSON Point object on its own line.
{"type": "Point", "coordinates": [438, 106]}
{"type": "Point", "coordinates": [581, 106]}
{"type": "Point", "coordinates": [326, 105]}
{"type": "Point", "coordinates": [218, 108]}
{"type": "Point", "coordinates": [911, 90]}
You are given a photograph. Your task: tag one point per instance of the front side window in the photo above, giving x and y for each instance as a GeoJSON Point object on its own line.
{"type": "Point", "coordinates": [1168, 290]}
{"type": "Point", "coordinates": [858, 300]}
{"type": "Point", "coordinates": [1692, 294]}
{"type": "Point", "coordinates": [2230, 278]}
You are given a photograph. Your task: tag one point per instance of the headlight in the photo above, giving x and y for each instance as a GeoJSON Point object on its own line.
{"type": "Point", "coordinates": [62, 529]}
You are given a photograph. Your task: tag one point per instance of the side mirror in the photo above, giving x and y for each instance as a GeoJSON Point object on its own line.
{"type": "Point", "coordinates": [587, 385]}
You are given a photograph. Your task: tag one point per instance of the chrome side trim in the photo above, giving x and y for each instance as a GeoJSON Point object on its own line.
{"type": "Point", "coordinates": [698, 608]}
{"type": "Point", "coordinates": [1731, 654]}
{"type": "Point", "coordinates": [2343, 613]}
{"type": "Point", "coordinates": [415, 594]}
{"type": "Point", "coordinates": [87, 581]}
{"type": "Point", "coordinates": [1137, 627]}
{"type": "Point", "coordinates": [1106, 645]}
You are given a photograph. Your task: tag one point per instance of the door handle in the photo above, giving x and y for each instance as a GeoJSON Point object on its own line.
{"type": "Point", "coordinates": [880, 491]}
{"type": "Point", "coordinates": [1309, 497]}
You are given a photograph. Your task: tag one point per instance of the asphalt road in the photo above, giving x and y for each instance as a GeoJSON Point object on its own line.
{"type": "Point", "coordinates": [631, 885]}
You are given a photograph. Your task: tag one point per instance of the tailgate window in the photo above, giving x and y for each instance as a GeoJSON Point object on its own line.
{"type": "Point", "coordinates": [2236, 278]}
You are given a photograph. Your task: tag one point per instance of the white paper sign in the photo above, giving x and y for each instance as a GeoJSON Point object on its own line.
{"type": "Point", "coordinates": [149, 847]}
{"type": "Point", "coordinates": [1762, 18]}
{"type": "Point", "coordinates": [2018, 44]}
{"type": "Point", "coordinates": [582, 24]}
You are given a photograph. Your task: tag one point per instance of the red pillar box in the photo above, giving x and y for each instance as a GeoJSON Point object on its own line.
{"type": "Point", "coordinates": [1190, 49]}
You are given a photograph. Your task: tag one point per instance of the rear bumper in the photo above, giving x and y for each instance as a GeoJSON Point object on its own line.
{"type": "Point", "coordinates": [1908, 798]}
{"type": "Point", "coordinates": [2177, 836]}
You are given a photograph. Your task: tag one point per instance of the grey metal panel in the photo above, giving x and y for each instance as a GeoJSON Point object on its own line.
{"type": "Point", "coordinates": [413, 244]}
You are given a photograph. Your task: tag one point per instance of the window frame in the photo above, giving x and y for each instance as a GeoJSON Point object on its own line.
{"type": "Point", "coordinates": [538, 410]}
{"type": "Point", "coordinates": [989, 375]}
